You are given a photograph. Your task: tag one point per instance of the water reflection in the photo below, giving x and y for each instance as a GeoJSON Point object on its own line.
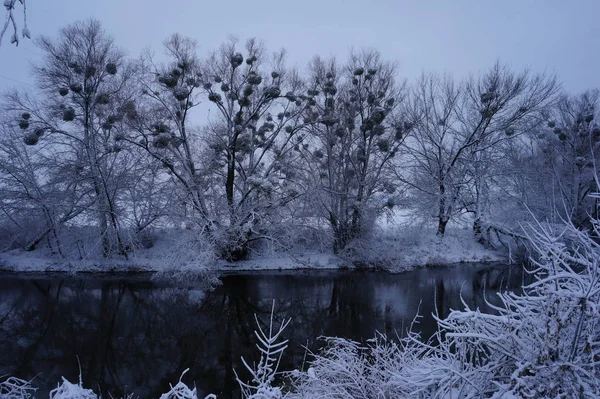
{"type": "Point", "coordinates": [137, 335]}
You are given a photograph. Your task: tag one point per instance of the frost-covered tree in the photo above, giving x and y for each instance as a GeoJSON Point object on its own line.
{"type": "Point", "coordinates": [80, 100]}
{"type": "Point", "coordinates": [162, 129]}
{"type": "Point", "coordinates": [458, 124]}
{"type": "Point", "coordinates": [569, 147]}
{"type": "Point", "coordinates": [11, 20]}
{"type": "Point", "coordinates": [548, 172]}
{"type": "Point", "coordinates": [258, 105]}
{"type": "Point", "coordinates": [35, 198]}
{"type": "Point", "coordinates": [354, 131]}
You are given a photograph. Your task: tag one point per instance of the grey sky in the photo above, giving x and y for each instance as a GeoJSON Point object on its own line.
{"type": "Point", "coordinates": [458, 37]}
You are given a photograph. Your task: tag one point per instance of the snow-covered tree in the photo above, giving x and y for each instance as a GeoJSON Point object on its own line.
{"type": "Point", "coordinates": [458, 124]}
{"type": "Point", "coordinates": [354, 131]}
{"type": "Point", "coordinates": [569, 145]}
{"type": "Point", "coordinates": [80, 100]}
{"type": "Point", "coordinates": [162, 129]}
{"type": "Point", "coordinates": [258, 104]}
{"type": "Point", "coordinates": [36, 199]}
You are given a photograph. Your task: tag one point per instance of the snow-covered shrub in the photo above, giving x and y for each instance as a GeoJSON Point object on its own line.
{"type": "Point", "coordinates": [382, 368]}
{"type": "Point", "coordinates": [15, 388]}
{"type": "Point", "coordinates": [186, 257]}
{"type": "Point", "coordinates": [68, 390]}
{"type": "Point", "coordinates": [546, 341]}
{"type": "Point", "coordinates": [182, 391]}
{"type": "Point", "coordinates": [271, 348]}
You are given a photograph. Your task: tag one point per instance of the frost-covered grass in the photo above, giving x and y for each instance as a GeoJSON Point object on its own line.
{"type": "Point", "coordinates": [69, 390]}
{"type": "Point", "coordinates": [175, 253]}
{"type": "Point", "coordinates": [15, 388]}
{"type": "Point", "coordinates": [180, 253]}
{"type": "Point", "coordinates": [402, 248]}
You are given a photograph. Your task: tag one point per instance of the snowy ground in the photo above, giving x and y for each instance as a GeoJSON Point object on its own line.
{"type": "Point", "coordinates": [395, 252]}
{"type": "Point", "coordinates": [396, 245]}
{"type": "Point", "coordinates": [408, 247]}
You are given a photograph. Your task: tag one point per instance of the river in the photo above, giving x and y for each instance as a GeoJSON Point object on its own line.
{"type": "Point", "coordinates": [137, 334]}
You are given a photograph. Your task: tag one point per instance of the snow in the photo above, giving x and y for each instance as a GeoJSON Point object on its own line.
{"type": "Point", "coordinates": [68, 390]}
{"type": "Point", "coordinates": [405, 248]}
{"type": "Point", "coordinates": [287, 261]}
{"type": "Point", "coordinates": [396, 251]}
{"type": "Point", "coordinates": [395, 246]}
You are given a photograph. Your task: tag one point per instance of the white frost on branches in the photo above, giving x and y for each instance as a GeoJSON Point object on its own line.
{"type": "Point", "coordinates": [10, 19]}
{"type": "Point", "coordinates": [68, 390]}
{"type": "Point", "coordinates": [182, 391]}
{"type": "Point", "coordinates": [15, 388]}
{"type": "Point", "coordinates": [271, 347]}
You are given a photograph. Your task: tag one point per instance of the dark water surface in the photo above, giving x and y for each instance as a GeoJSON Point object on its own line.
{"type": "Point", "coordinates": [137, 334]}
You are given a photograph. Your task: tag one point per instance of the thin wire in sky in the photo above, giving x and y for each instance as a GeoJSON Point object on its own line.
{"type": "Point", "coordinates": [15, 80]}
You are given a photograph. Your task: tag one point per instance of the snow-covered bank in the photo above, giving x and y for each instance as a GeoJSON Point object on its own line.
{"type": "Point", "coordinates": [404, 248]}
{"type": "Point", "coordinates": [396, 250]}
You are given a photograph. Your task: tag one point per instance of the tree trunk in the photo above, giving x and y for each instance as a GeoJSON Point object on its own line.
{"type": "Point", "coordinates": [442, 217]}
{"type": "Point", "coordinates": [344, 234]}
{"type": "Point", "coordinates": [338, 243]}
{"type": "Point", "coordinates": [33, 243]}
{"type": "Point", "coordinates": [477, 228]}
{"type": "Point", "coordinates": [443, 221]}
{"type": "Point", "coordinates": [229, 183]}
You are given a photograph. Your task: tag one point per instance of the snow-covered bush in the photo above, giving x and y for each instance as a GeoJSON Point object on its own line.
{"type": "Point", "coordinates": [186, 257]}
{"type": "Point", "coordinates": [271, 348]}
{"type": "Point", "coordinates": [182, 391]}
{"type": "Point", "coordinates": [382, 368]}
{"type": "Point", "coordinates": [546, 341]}
{"type": "Point", "coordinates": [15, 388]}
{"type": "Point", "coordinates": [68, 390]}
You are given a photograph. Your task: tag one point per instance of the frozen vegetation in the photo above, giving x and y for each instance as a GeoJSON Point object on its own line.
{"type": "Point", "coordinates": [541, 343]}
{"type": "Point", "coordinates": [11, 21]}
{"type": "Point", "coordinates": [177, 253]}
{"type": "Point", "coordinates": [235, 160]}
{"type": "Point", "coordinates": [104, 168]}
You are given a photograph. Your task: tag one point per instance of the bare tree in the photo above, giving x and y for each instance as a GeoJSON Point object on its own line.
{"type": "Point", "coordinates": [81, 99]}
{"type": "Point", "coordinates": [36, 200]}
{"type": "Point", "coordinates": [354, 131]}
{"type": "Point", "coordinates": [162, 128]}
{"type": "Point", "coordinates": [567, 149]}
{"type": "Point", "coordinates": [458, 123]}
{"type": "Point", "coordinates": [259, 104]}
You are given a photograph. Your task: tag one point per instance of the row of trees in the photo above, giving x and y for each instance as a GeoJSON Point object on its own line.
{"type": "Point", "coordinates": [240, 148]}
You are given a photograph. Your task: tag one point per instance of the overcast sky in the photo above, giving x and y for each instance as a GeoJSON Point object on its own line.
{"type": "Point", "coordinates": [454, 36]}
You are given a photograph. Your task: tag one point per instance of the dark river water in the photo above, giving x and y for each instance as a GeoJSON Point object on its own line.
{"type": "Point", "coordinates": [136, 335]}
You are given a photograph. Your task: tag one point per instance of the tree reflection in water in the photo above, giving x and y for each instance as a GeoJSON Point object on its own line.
{"type": "Point", "coordinates": [138, 335]}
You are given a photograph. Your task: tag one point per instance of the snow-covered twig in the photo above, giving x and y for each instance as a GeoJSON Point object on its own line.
{"type": "Point", "coordinates": [271, 347]}
{"type": "Point", "coordinates": [182, 391]}
{"type": "Point", "coordinates": [15, 388]}
{"type": "Point", "coordinates": [10, 6]}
